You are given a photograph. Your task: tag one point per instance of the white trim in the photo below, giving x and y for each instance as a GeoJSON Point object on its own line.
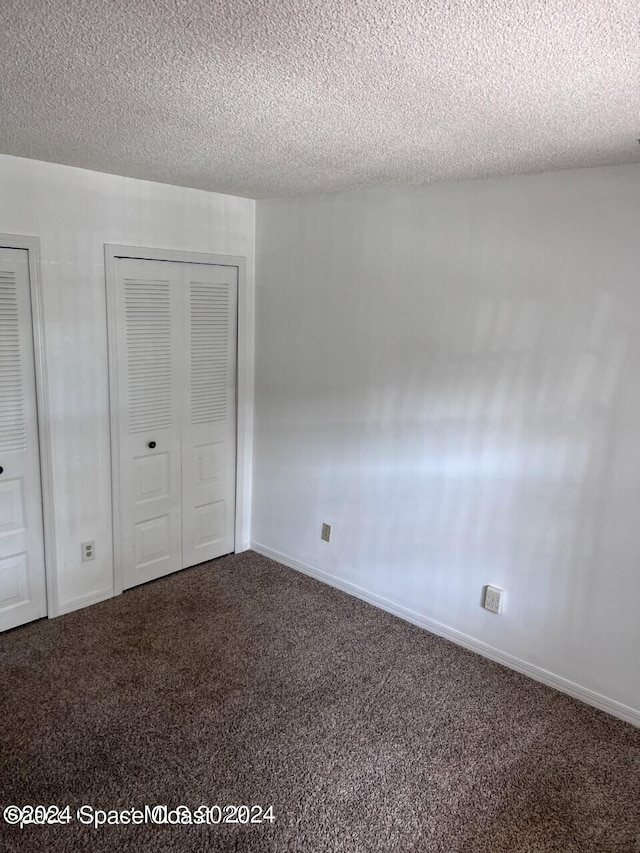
{"type": "Point", "coordinates": [244, 371]}
{"type": "Point", "coordinates": [558, 682]}
{"type": "Point", "coordinates": [81, 601]}
{"type": "Point", "coordinates": [32, 245]}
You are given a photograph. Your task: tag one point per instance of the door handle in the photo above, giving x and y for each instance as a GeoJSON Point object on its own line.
{"type": "Point", "coordinates": [1, 469]}
{"type": "Point", "coordinates": [151, 444]}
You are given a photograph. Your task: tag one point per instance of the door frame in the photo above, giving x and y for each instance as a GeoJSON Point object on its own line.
{"type": "Point", "coordinates": [244, 374]}
{"type": "Point", "coordinates": [32, 246]}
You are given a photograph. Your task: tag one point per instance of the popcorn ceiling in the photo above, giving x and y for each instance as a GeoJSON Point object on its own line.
{"type": "Point", "coordinates": [263, 99]}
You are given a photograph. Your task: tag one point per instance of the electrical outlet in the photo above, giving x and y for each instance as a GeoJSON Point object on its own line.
{"type": "Point", "coordinates": [326, 533]}
{"type": "Point", "coordinates": [493, 597]}
{"type": "Point", "coordinates": [88, 551]}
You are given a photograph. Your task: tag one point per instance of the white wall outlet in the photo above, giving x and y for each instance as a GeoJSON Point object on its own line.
{"type": "Point", "coordinates": [493, 598]}
{"type": "Point", "coordinates": [88, 551]}
{"type": "Point", "coordinates": [326, 532]}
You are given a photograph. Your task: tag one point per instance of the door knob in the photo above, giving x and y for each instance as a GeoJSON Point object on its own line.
{"type": "Point", "coordinates": [151, 444]}
{"type": "Point", "coordinates": [1, 469]}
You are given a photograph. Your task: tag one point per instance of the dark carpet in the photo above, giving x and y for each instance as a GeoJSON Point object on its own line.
{"type": "Point", "coordinates": [243, 682]}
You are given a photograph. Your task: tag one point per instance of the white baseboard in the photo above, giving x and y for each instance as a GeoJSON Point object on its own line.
{"type": "Point", "coordinates": [584, 694]}
{"type": "Point", "coordinates": [84, 601]}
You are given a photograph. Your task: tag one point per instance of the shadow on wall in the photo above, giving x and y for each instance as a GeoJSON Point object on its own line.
{"type": "Point", "coordinates": [492, 452]}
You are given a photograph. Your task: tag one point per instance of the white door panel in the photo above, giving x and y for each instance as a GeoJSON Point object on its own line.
{"type": "Point", "coordinates": [209, 413]}
{"type": "Point", "coordinates": [22, 571]}
{"type": "Point", "coordinates": [148, 347]}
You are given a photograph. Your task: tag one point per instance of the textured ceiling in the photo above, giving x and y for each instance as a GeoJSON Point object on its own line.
{"type": "Point", "coordinates": [266, 98]}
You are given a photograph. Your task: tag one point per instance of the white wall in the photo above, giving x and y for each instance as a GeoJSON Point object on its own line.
{"type": "Point", "coordinates": [74, 213]}
{"type": "Point", "coordinates": [450, 376]}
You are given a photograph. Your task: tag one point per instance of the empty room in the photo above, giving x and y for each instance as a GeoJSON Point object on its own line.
{"type": "Point", "coordinates": [320, 426]}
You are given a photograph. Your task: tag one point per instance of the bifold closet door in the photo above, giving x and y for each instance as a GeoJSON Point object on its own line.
{"type": "Point", "coordinates": [209, 412]}
{"type": "Point", "coordinates": [22, 569]}
{"type": "Point", "coordinates": [175, 330]}
{"type": "Point", "coordinates": [150, 362]}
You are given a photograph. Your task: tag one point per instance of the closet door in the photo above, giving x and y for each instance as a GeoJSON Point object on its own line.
{"type": "Point", "coordinates": [149, 352]}
{"type": "Point", "coordinates": [173, 392]}
{"type": "Point", "coordinates": [22, 572]}
{"type": "Point", "coordinates": [209, 412]}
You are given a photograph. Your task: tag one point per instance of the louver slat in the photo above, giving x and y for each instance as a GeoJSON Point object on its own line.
{"type": "Point", "coordinates": [209, 347]}
{"type": "Point", "coordinates": [13, 433]}
{"type": "Point", "coordinates": [148, 342]}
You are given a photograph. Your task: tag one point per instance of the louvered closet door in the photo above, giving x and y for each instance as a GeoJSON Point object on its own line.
{"type": "Point", "coordinates": [22, 574]}
{"type": "Point", "coordinates": [209, 412]}
{"type": "Point", "coordinates": [175, 328]}
{"type": "Point", "coordinates": [148, 330]}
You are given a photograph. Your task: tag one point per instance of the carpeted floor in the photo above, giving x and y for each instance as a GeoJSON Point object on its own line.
{"type": "Point", "coordinates": [242, 682]}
